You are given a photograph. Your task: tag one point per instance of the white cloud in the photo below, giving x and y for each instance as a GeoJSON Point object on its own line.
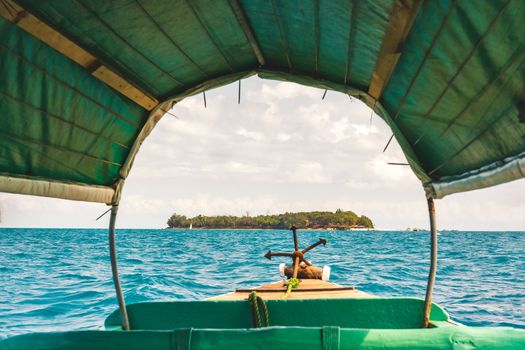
{"type": "Point", "coordinates": [308, 172]}
{"type": "Point", "coordinates": [243, 168]}
{"type": "Point", "coordinates": [283, 137]}
{"type": "Point", "coordinates": [283, 91]}
{"type": "Point", "coordinates": [253, 135]}
{"type": "Point", "coordinates": [341, 130]}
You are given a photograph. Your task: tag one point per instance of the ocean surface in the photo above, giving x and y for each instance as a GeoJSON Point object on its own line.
{"type": "Point", "coordinates": [60, 279]}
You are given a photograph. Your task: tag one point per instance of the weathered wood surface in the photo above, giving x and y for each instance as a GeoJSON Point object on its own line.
{"type": "Point", "coordinates": [308, 289]}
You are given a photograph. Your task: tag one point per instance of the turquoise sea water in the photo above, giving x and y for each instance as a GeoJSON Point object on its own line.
{"type": "Point", "coordinates": [60, 279]}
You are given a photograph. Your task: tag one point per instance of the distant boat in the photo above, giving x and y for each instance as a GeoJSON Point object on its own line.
{"type": "Point", "coordinates": [191, 226]}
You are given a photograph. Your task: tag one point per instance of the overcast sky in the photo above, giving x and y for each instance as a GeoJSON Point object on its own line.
{"type": "Point", "coordinates": [282, 149]}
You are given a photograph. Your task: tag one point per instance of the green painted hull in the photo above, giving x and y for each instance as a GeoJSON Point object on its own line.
{"type": "Point", "coordinates": [304, 338]}
{"type": "Point", "coordinates": [371, 313]}
{"type": "Point", "coordinates": [375, 323]}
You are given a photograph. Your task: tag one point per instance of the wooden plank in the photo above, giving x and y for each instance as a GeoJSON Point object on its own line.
{"type": "Point", "coordinates": [401, 21]}
{"type": "Point", "coordinates": [40, 30]}
{"type": "Point", "coordinates": [112, 79]}
{"type": "Point", "coordinates": [51, 37]}
{"type": "Point", "coordinates": [297, 290]}
{"type": "Point", "coordinates": [307, 289]}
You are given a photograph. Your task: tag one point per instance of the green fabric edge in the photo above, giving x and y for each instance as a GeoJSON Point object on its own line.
{"type": "Point", "coordinates": [506, 170]}
{"type": "Point", "coordinates": [49, 188]}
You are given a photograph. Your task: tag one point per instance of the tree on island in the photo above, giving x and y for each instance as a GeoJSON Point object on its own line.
{"type": "Point", "coordinates": [340, 220]}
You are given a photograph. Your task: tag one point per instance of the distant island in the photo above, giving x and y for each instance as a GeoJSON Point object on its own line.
{"type": "Point", "coordinates": [338, 220]}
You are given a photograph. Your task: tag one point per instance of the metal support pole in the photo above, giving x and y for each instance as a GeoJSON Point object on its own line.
{"type": "Point", "coordinates": [433, 262]}
{"type": "Point", "coordinates": [114, 268]}
{"type": "Point", "coordinates": [239, 95]}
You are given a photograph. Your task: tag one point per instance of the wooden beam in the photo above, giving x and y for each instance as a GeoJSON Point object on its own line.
{"type": "Point", "coordinates": [401, 21]}
{"type": "Point", "coordinates": [114, 80]}
{"type": "Point", "coordinates": [245, 25]}
{"type": "Point", "coordinates": [13, 12]}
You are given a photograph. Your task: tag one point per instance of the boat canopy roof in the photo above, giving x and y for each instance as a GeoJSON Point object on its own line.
{"type": "Point", "coordinates": [84, 82]}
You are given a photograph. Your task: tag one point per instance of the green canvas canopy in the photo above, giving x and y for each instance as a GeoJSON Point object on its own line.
{"type": "Point", "coordinates": [83, 83]}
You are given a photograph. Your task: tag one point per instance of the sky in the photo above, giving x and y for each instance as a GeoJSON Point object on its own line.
{"type": "Point", "coordinates": [281, 149]}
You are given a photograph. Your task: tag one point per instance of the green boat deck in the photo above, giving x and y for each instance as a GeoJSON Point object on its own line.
{"type": "Point", "coordinates": [371, 323]}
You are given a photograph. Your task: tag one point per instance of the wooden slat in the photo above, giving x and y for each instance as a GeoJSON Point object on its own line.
{"type": "Point", "coordinates": [40, 30]}
{"type": "Point", "coordinates": [401, 21]}
{"type": "Point", "coordinates": [112, 79]}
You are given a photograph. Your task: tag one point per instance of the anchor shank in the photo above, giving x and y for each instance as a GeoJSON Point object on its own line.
{"type": "Point", "coordinates": [296, 266]}
{"type": "Point", "coordinates": [295, 242]}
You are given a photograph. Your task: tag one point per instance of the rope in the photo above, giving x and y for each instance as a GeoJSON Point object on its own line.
{"type": "Point", "coordinates": [292, 283]}
{"type": "Point", "coordinates": [258, 305]}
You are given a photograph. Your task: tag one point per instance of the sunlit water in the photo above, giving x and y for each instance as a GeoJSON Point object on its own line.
{"type": "Point", "coordinates": [53, 279]}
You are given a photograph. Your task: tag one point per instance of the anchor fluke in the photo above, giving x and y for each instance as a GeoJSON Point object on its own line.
{"type": "Point", "coordinates": [319, 242]}
{"type": "Point", "coordinates": [270, 254]}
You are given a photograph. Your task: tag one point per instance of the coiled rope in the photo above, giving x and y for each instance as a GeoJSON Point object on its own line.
{"type": "Point", "coordinates": [260, 316]}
